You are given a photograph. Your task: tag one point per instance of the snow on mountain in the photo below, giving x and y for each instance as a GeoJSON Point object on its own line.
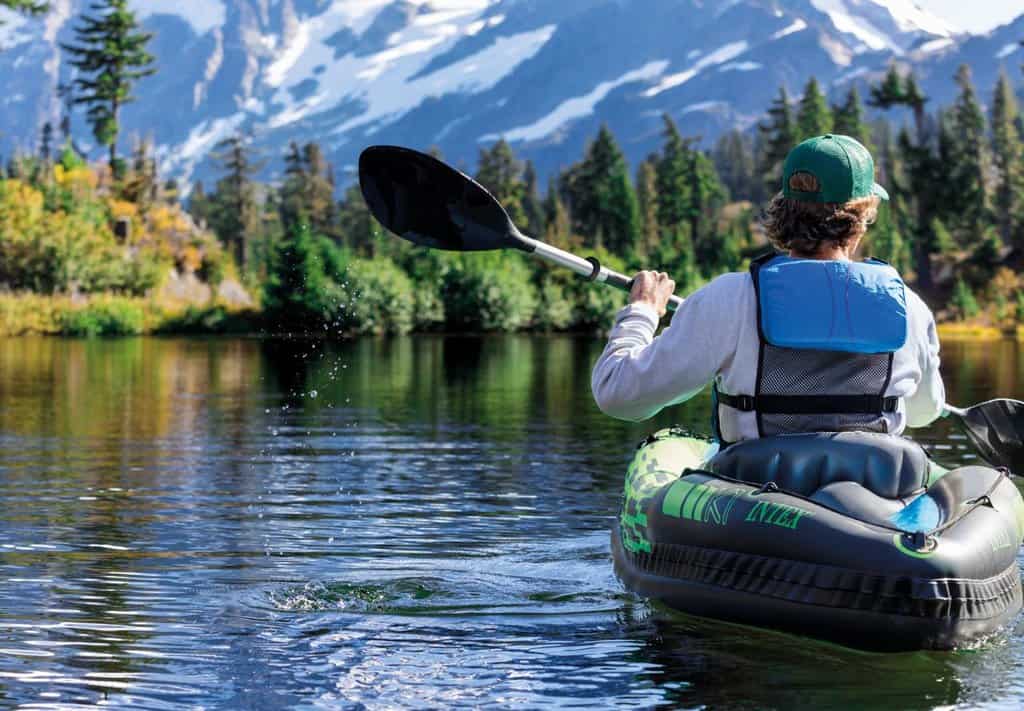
{"type": "Point", "coordinates": [459, 73]}
{"type": "Point", "coordinates": [873, 21]}
{"type": "Point", "coordinates": [575, 107]}
{"type": "Point", "coordinates": [718, 56]}
{"type": "Point", "coordinates": [203, 16]}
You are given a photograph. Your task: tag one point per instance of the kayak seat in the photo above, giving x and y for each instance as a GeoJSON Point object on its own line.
{"type": "Point", "coordinates": [827, 465]}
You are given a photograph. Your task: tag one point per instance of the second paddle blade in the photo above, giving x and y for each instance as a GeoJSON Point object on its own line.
{"type": "Point", "coordinates": [996, 428]}
{"type": "Point", "coordinates": [429, 203]}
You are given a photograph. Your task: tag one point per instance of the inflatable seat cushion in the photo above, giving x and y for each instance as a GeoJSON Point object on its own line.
{"type": "Point", "coordinates": [890, 467]}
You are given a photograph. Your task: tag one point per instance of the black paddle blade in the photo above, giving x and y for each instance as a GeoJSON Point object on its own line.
{"type": "Point", "coordinates": [996, 428]}
{"type": "Point", "coordinates": [429, 203]}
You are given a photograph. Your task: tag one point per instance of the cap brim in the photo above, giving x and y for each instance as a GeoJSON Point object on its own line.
{"type": "Point", "coordinates": [878, 190]}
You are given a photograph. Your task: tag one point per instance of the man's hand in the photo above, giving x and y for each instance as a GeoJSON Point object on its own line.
{"type": "Point", "coordinates": [652, 288]}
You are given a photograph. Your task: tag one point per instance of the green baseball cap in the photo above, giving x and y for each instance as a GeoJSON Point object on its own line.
{"type": "Point", "coordinates": [842, 165]}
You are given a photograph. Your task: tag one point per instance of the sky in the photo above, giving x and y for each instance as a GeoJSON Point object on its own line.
{"type": "Point", "coordinates": [975, 15]}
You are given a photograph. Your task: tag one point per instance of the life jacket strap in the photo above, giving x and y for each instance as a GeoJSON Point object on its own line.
{"type": "Point", "coordinates": [811, 404]}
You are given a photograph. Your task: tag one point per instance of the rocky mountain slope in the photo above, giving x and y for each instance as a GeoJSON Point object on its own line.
{"type": "Point", "coordinates": [458, 73]}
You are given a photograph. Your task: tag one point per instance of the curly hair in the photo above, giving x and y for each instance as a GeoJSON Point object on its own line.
{"type": "Point", "coordinates": [806, 227]}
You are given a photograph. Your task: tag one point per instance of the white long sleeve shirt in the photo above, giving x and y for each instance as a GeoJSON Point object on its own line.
{"type": "Point", "coordinates": [713, 338]}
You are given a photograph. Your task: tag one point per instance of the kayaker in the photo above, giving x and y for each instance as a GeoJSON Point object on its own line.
{"type": "Point", "coordinates": [821, 343]}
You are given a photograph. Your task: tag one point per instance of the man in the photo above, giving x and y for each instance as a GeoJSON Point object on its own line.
{"type": "Point", "coordinates": [812, 341]}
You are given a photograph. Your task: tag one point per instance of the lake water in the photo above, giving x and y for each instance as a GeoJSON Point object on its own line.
{"type": "Point", "coordinates": [418, 522]}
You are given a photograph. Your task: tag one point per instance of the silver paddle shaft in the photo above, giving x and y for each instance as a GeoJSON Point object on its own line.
{"type": "Point", "coordinates": [587, 268]}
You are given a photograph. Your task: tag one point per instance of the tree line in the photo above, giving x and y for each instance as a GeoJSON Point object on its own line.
{"type": "Point", "coordinates": [954, 225]}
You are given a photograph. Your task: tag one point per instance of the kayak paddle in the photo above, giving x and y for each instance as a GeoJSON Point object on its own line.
{"type": "Point", "coordinates": [996, 429]}
{"type": "Point", "coordinates": [427, 202]}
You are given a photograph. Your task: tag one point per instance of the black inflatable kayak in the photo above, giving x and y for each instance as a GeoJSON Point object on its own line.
{"type": "Point", "coordinates": [853, 537]}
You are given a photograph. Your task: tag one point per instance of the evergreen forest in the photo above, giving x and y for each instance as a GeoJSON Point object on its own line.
{"type": "Point", "coordinates": [112, 247]}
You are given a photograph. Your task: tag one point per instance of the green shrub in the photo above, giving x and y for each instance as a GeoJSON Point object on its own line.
{"type": "Point", "coordinates": [964, 303]}
{"type": "Point", "coordinates": [210, 319]}
{"type": "Point", "coordinates": [489, 292]}
{"type": "Point", "coordinates": [304, 289]}
{"type": "Point", "coordinates": [555, 307]}
{"type": "Point", "coordinates": [108, 317]}
{"type": "Point", "coordinates": [427, 269]}
{"type": "Point", "coordinates": [429, 308]}
{"type": "Point", "coordinates": [597, 304]}
{"type": "Point", "coordinates": [381, 298]}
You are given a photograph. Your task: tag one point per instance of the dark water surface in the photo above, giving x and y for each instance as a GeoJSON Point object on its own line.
{"type": "Point", "coordinates": [419, 522]}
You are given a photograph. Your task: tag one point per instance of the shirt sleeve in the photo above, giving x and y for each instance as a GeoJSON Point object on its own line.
{"type": "Point", "coordinates": [639, 374]}
{"type": "Point", "coordinates": [926, 403]}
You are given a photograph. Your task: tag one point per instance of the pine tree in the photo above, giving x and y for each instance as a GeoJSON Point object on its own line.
{"type": "Point", "coordinates": [733, 156]}
{"type": "Point", "coordinates": [672, 179]}
{"type": "Point", "coordinates": [318, 192]}
{"type": "Point", "coordinates": [885, 239]}
{"type": "Point", "coordinates": [46, 142]}
{"type": "Point", "coordinates": [199, 204]}
{"type": "Point", "coordinates": [293, 166]}
{"type": "Point", "coordinates": [915, 99]}
{"type": "Point", "coordinates": [111, 57]}
{"type": "Point", "coordinates": [307, 195]}
{"type": "Point", "coordinates": [964, 304]}
{"type": "Point", "coordinates": [647, 201]}
{"type": "Point", "coordinates": [301, 291]}
{"type": "Point", "coordinates": [531, 201]}
{"type": "Point", "coordinates": [920, 164]}
{"type": "Point", "coordinates": [706, 199]}
{"type": "Point", "coordinates": [849, 119]}
{"type": "Point", "coordinates": [29, 7]}
{"type": "Point", "coordinates": [895, 91]}
{"type": "Point", "coordinates": [502, 174]}
{"type": "Point", "coordinates": [967, 163]}
{"type": "Point", "coordinates": [814, 118]}
{"type": "Point", "coordinates": [941, 238]}
{"type": "Point", "coordinates": [778, 136]}
{"type": "Point", "coordinates": [1008, 154]}
{"type": "Point", "coordinates": [290, 199]}
{"type": "Point", "coordinates": [557, 225]}
{"type": "Point", "coordinates": [604, 204]}
{"type": "Point", "coordinates": [235, 216]}
{"type": "Point", "coordinates": [140, 184]}
{"type": "Point", "coordinates": [360, 231]}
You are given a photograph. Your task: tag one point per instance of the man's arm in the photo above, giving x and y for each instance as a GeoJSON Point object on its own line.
{"type": "Point", "coordinates": [638, 375]}
{"type": "Point", "coordinates": [926, 403]}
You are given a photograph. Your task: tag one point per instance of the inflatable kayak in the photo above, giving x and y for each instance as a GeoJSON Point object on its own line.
{"type": "Point", "coordinates": [853, 537]}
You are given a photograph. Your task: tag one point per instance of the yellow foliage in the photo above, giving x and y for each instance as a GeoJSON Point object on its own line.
{"type": "Point", "coordinates": [122, 209]}
{"type": "Point", "coordinates": [21, 206]}
{"type": "Point", "coordinates": [1005, 282]}
{"type": "Point", "coordinates": [81, 177]}
{"type": "Point", "coordinates": [191, 259]}
{"type": "Point", "coordinates": [26, 313]}
{"type": "Point", "coordinates": [167, 221]}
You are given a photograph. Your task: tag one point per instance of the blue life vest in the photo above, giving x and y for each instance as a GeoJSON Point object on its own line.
{"type": "Point", "coordinates": [857, 307]}
{"type": "Point", "coordinates": [828, 331]}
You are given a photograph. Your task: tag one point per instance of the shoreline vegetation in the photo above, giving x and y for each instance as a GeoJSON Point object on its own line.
{"type": "Point", "coordinates": [112, 248]}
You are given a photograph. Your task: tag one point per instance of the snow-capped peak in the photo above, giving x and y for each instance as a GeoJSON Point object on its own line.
{"type": "Point", "coordinates": [883, 24]}
{"type": "Point", "coordinates": [910, 16]}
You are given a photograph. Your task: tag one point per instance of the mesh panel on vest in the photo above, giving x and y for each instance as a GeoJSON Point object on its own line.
{"type": "Point", "coordinates": [788, 371]}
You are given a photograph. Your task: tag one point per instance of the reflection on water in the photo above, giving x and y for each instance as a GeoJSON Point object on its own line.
{"type": "Point", "coordinates": [419, 521]}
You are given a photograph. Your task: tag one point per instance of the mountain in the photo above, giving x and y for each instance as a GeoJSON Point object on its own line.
{"type": "Point", "coordinates": [457, 74]}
